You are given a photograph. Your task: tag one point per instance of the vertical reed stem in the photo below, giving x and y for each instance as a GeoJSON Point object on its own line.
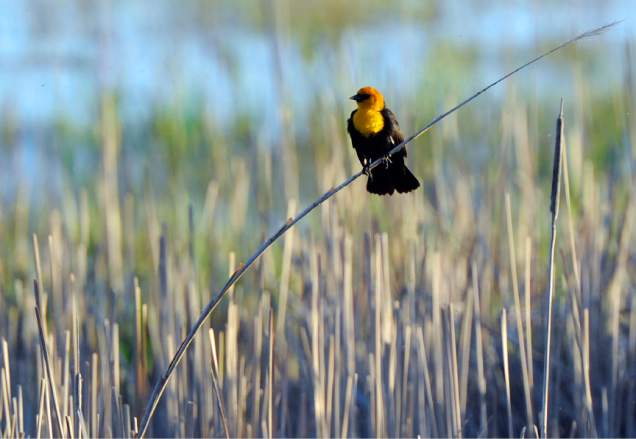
{"type": "Point", "coordinates": [554, 210]}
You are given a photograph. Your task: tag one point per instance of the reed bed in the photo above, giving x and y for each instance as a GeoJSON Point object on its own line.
{"type": "Point", "coordinates": [412, 315]}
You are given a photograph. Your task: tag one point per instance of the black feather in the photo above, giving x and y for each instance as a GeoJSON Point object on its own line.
{"type": "Point", "coordinates": [384, 179]}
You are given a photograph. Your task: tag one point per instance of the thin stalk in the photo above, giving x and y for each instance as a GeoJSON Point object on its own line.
{"type": "Point", "coordinates": [528, 311]}
{"type": "Point", "coordinates": [504, 350]}
{"type": "Point", "coordinates": [554, 210]}
{"type": "Point", "coordinates": [270, 380]}
{"type": "Point", "coordinates": [527, 390]}
{"type": "Point", "coordinates": [215, 383]}
{"type": "Point", "coordinates": [479, 353]}
{"type": "Point", "coordinates": [47, 363]}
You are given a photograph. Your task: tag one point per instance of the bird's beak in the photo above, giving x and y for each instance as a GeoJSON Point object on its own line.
{"type": "Point", "coordinates": [358, 97]}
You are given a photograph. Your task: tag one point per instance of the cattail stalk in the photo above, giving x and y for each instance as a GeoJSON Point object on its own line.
{"type": "Point", "coordinates": [554, 210]}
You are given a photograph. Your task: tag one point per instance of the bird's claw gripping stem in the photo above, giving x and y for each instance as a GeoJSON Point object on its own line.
{"type": "Point", "coordinates": [366, 171]}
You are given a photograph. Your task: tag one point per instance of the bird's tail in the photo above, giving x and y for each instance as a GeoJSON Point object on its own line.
{"type": "Point", "coordinates": [396, 178]}
{"type": "Point", "coordinates": [404, 180]}
{"type": "Point", "coordinates": [381, 182]}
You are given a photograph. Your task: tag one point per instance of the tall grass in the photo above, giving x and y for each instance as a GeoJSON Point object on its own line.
{"type": "Point", "coordinates": [394, 316]}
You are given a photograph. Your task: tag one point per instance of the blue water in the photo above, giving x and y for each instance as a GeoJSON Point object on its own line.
{"type": "Point", "coordinates": [56, 55]}
{"type": "Point", "coordinates": [56, 58]}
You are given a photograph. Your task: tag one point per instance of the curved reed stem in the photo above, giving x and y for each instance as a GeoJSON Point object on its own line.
{"type": "Point", "coordinates": [212, 304]}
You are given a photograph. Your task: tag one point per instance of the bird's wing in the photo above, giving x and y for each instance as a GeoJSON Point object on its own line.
{"type": "Point", "coordinates": [392, 128]}
{"type": "Point", "coordinates": [356, 138]}
{"type": "Point", "coordinates": [352, 131]}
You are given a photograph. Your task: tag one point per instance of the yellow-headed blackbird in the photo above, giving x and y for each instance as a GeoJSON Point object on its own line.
{"type": "Point", "coordinates": [374, 131]}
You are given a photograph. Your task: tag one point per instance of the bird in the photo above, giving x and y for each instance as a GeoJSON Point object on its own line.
{"type": "Point", "coordinates": [374, 131]}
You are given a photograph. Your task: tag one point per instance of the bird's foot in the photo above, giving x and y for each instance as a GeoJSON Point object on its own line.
{"type": "Point", "coordinates": [366, 171]}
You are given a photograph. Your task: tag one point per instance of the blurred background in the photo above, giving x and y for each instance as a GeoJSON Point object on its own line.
{"type": "Point", "coordinates": [151, 146]}
{"type": "Point", "coordinates": [266, 72]}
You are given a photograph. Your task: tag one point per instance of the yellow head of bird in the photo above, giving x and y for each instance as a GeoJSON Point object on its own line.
{"type": "Point", "coordinates": [369, 98]}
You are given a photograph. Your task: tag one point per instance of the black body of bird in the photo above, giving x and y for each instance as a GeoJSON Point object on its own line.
{"type": "Point", "coordinates": [374, 131]}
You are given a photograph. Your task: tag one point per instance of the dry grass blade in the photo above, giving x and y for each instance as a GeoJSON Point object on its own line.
{"type": "Point", "coordinates": [39, 416]}
{"type": "Point", "coordinates": [504, 350]}
{"type": "Point", "coordinates": [161, 384]}
{"type": "Point", "coordinates": [479, 354]}
{"type": "Point", "coordinates": [527, 390]}
{"type": "Point", "coordinates": [47, 363]}
{"type": "Point", "coordinates": [270, 379]}
{"type": "Point", "coordinates": [69, 426]}
{"type": "Point", "coordinates": [5, 400]}
{"type": "Point", "coordinates": [528, 310]}
{"type": "Point", "coordinates": [215, 374]}
{"type": "Point", "coordinates": [554, 210]}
